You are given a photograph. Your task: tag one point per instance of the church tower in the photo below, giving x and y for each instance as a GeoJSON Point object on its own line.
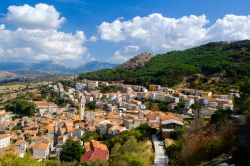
{"type": "Point", "coordinates": [82, 102]}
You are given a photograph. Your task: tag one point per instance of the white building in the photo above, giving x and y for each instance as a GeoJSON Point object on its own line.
{"type": "Point", "coordinates": [4, 140]}
{"type": "Point", "coordinates": [80, 86]}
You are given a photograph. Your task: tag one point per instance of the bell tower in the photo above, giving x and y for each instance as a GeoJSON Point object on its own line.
{"type": "Point", "coordinates": [82, 102]}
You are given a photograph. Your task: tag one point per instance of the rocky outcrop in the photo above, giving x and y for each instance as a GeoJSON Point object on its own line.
{"type": "Point", "coordinates": [137, 61]}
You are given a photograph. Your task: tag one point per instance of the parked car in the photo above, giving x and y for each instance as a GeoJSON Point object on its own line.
{"type": "Point", "coordinates": [161, 143]}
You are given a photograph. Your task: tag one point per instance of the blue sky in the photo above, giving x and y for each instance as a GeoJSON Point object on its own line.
{"type": "Point", "coordinates": [88, 15]}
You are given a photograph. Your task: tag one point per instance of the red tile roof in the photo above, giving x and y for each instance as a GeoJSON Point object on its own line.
{"type": "Point", "coordinates": [93, 155]}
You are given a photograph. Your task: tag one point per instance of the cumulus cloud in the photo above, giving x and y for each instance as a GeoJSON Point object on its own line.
{"type": "Point", "coordinates": [118, 57]}
{"type": "Point", "coordinates": [157, 33]}
{"type": "Point", "coordinates": [230, 28]}
{"type": "Point", "coordinates": [40, 16]}
{"type": "Point", "coordinates": [37, 37]}
{"type": "Point", "coordinates": [36, 44]}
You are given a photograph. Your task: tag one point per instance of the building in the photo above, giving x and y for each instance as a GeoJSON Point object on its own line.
{"type": "Point", "coordinates": [41, 151]}
{"type": "Point", "coordinates": [80, 86]}
{"type": "Point", "coordinates": [82, 102]}
{"type": "Point", "coordinates": [92, 85]}
{"type": "Point", "coordinates": [170, 122]}
{"type": "Point", "coordinates": [95, 151]}
{"type": "Point", "coordinates": [154, 87]}
{"type": "Point", "coordinates": [4, 141]}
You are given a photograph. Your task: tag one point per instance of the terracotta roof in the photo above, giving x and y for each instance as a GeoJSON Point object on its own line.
{"type": "Point", "coordinates": [3, 136]}
{"type": "Point", "coordinates": [169, 115]}
{"type": "Point", "coordinates": [98, 145]}
{"type": "Point", "coordinates": [93, 155]}
{"type": "Point", "coordinates": [40, 146]}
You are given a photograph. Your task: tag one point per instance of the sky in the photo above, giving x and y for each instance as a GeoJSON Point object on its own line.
{"type": "Point", "coordinates": [74, 32]}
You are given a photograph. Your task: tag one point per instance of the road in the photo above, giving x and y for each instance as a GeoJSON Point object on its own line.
{"type": "Point", "coordinates": [160, 158]}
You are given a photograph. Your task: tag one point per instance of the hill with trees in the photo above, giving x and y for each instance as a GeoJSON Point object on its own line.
{"type": "Point", "coordinates": [216, 66]}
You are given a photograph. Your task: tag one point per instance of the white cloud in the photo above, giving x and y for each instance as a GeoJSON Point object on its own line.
{"type": "Point", "coordinates": [93, 39]}
{"type": "Point", "coordinates": [37, 37]}
{"type": "Point", "coordinates": [42, 16]}
{"type": "Point", "coordinates": [118, 57]}
{"type": "Point", "coordinates": [231, 27]}
{"type": "Point", "coordinates": [37, 44]}
{"type": "Point", "coordinates": [156, 33]}
{"type": "Point", "coordinates": [131, 48]}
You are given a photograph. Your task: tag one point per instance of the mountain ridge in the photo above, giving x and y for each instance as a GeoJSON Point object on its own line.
{"type": "Point", "coordinates": [217, 64]}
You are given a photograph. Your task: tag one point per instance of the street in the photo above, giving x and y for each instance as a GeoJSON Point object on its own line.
{"type": "Point", "coordinates": [160, 158]}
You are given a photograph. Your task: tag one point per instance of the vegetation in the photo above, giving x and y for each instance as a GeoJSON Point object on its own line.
{"type": "Point", "coordinates": [90, 136]}
{"type": "Point", "coordinates": [143, 132]}
{"type": "Point", "coordinates": [71, 151]}
{"type": "Point", "coordinates": [108, 89]}
{"type": "Point", "coordinates": [12, 159]}
{"type": "Point", "coordinates": [90, 105]}
{"type": "Point", "coordinates": [241, 152]}
{"type": "Point", "coordinates": [163, 106]}
{"type": "Point", "coordinates": [49, 94]}
{"type": "Point", "coordinates": [21, 107]}
{"type": "Point", "coordinates": [202, 142]}
{"type": "Point", "coordinates": [217, 66]}
{"type": "Point", "coordinates": [131, 152]}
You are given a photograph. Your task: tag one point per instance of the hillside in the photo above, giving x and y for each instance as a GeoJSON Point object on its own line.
{"type": "Point", "coordinates": [213, 65]}
{"type": "Point", "coordinates": [6, 76]}
{"type": "Point", "coordinates": [137, 61]}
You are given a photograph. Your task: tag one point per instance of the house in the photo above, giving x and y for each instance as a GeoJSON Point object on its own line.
{"type": "Point", "coordinates": [92, 84]}
{"type": "Point", "coordinates": [188, 102]}
{"type": "Point", "coordinates": [44, 106]}
{"type": "Point", "coordinates": [41, 150]}
{"type": "Point", "coordinates": [170, 122]}
{"type": "Point", "coordinates": [78, 133]}
{"type": "Point", "coordinates": [21, 147]}
{"type": "Point", "coordinates": [80, 86]}
{"type": "Point", "coordinates": [114, 130]}
{"type": "Point", "coordinates": [228, 107]}
{"type": "Point", "coordinates": [4, 141]}
{"type": "Point", "coordinates": [154, 87]}
{"type": "Point", "coordinates": [204, 113]}
{"type": "Point", "coordinates": [204, 93]}
{"type": "Point", "coordinates": [95, 151]}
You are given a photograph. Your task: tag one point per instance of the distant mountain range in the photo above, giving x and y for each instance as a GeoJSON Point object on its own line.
{"type": "Point", "coordinates": [52, 67]}
{"type": "Point", "coordinates": [16, 71]}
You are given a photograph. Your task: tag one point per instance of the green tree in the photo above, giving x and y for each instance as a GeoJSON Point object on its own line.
{"type": "Point", "coordinates": [21, 107]}
{"type": "Point", "coordinates": [90, 136]}
{"type": "Point", "coordinates": [71, 151]}
{"type": "Point", "coordinates": [131, 152]}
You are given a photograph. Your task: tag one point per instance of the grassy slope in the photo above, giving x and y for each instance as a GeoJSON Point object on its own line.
{"type": "Point", "coordinates": [229, 62]}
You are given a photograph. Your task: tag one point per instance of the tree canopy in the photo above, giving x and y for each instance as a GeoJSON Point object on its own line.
{"type": "Point", "coordinates": [21, 107]}
{"type": "Point", "coordinates": [71, 151]}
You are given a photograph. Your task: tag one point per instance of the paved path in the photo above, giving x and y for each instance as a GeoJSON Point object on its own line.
{"type": "Point", "coordinates": [160, 158]}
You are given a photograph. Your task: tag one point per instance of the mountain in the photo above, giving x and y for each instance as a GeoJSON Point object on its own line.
{"type": "Point", "coordinates": [32, 73]}
{"type": "Point", "coordinates": [93, 66]}
{"type": "Point", "coordinates": [217, 66]}
{"type": "Point", "coordinates": [22, 71]}
{"type": "Point", "coordinates": [49, 67]}
{"type": "Point", "coordinates": [10, 76]}
{"type": "Point", "coordinates": [137, 61]}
